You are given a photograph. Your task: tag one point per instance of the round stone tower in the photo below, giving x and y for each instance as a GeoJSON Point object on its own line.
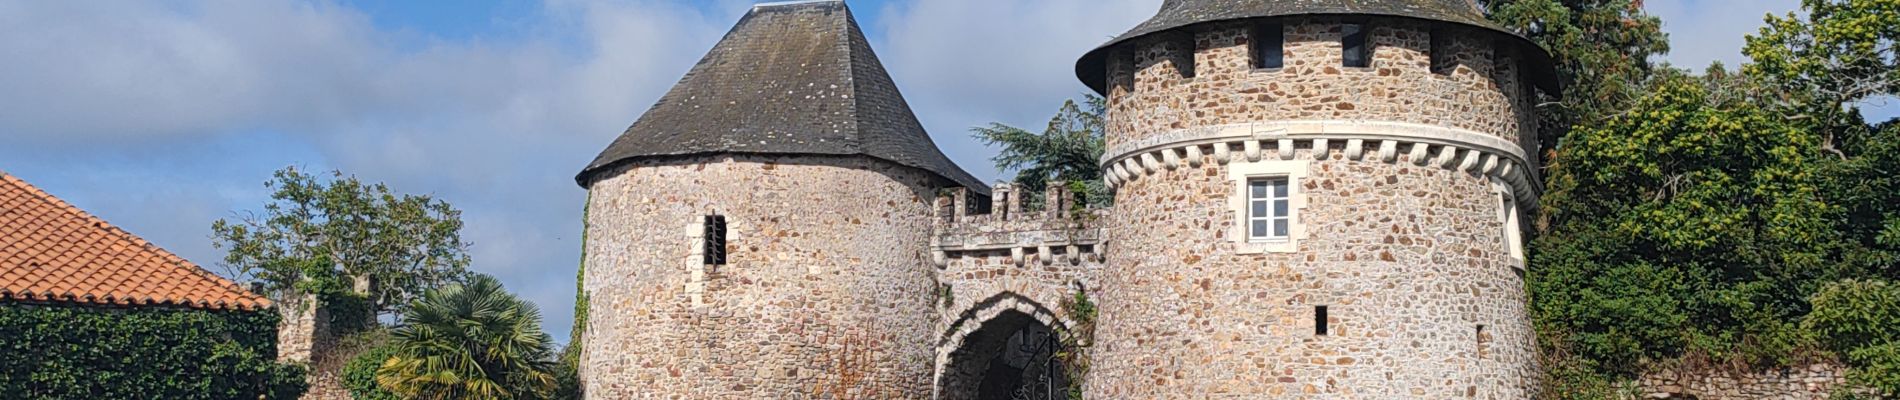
{"type": "Point", "coordinates": [763, 232]}
{"type": "Point", "coordinates": [1317, 198]}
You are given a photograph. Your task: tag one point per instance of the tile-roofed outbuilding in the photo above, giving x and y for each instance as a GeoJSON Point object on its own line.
{"type": "Point", "coordinates": [1179, 14]}
{"type": "Point", "coordinates": [52, 252]}
{"type": "Point", "coordinates": [790, 78]}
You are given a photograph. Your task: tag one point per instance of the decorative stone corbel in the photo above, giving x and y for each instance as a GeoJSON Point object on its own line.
{"type": "Point", "coordinates": [1471, 161]}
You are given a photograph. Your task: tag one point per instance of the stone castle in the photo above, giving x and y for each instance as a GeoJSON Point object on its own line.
{"type": "Point", "coordinates": [1312, 199]}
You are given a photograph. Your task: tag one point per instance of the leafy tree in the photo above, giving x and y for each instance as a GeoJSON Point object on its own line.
{"type": "Point", "coordinates": [1603, 51]}
{"type": "Point", "coordinates": [567, 374]}
{"type": "Point", "coordinates": [1820, 66]}
{"type": "Point", "coordinates": [1069, 149]}
{"type": "Point", "coordinates": [335, 235]}
{"type": "Point", "coordinates": [1840, 52]}
{"type": "Point", "coordinates": [1683, 226]}
{"type": "Point", "coordinates": [470, 341]}
{"type": "Point", "coordinates": [1746, 220]}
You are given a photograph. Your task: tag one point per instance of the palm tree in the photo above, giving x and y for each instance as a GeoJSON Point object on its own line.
{"type": "Point", "coordinates": [470, 341]}
{"type": "Point", "coordinates": [1068, 150]}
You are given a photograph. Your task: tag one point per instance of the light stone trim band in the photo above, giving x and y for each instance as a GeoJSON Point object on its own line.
{"type": "Point", "coordinates": [696, 267]}
{"type": "Point", "coordinates": [1456, 149]}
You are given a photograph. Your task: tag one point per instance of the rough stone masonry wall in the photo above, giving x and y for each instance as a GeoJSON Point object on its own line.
{"type": "Point", "coordinates": [829, 288]}
{"type": "Point", "coordinates": [1410, 260]}
{"type": "Point", "coordinates": [304, 336]}
{"type": "Point", "coordinates": [1813, 382]}
{"type": "Point", "coordinates": [1149, 94]}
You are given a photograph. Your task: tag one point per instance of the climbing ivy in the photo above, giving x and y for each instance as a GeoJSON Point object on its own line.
{"type": "Point", "coordinates": [569, 372]}
{"type": "Point", "coordinates": [1077, 339]}
{"type": "Point", "coordinates": [359, 375]}
{"type": "Point", "coordinates": [69, 352]}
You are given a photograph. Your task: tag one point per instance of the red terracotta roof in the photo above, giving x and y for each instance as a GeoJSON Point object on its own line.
{"type": "Point", "coordinates": [51, 251]}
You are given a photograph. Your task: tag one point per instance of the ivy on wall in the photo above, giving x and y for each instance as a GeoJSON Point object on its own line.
{"type": "Point", "coordinates": [1077, 340]}
{"type": "Point", "coordinates": [359, 375]}
{"type": "Point", "coordinates": [65, 352]}
{"type": "Point", "coordinates": [570, 360]}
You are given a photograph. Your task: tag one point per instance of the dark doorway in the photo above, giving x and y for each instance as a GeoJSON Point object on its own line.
{"type": "Point", "coordinates": [1011, 357]}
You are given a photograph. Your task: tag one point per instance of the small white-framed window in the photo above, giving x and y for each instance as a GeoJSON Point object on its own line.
{"type": "Point", "coordinates": [1269, 209]}
{"type": "Point", "coordinates": [1266, 203]}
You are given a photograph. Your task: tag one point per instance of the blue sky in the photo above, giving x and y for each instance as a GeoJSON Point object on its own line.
{"type": "Point", "coordinates": [164, 116]}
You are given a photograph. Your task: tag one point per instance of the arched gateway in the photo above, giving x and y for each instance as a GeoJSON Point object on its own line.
{"type": "Point", "coordinates": [1005, 349]}
{"type": "Point", "coordinates": [1005, 275]}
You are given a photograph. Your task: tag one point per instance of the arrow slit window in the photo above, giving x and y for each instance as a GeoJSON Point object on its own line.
{"type": "Point", "coordinates": [715, 240]}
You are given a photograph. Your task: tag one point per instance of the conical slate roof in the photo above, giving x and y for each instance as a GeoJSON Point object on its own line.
{"type": "Point", "coordinates": [1176, 14]}
{"type": "Point", "coordinates": [790, 78]}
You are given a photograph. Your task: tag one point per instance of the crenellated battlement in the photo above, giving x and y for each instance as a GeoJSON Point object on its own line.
{"type": "Point", "coordinates": [1058, 230]}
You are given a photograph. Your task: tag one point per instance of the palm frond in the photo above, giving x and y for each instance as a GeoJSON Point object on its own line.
{"type": "Point", "coordinates": [471, 341]}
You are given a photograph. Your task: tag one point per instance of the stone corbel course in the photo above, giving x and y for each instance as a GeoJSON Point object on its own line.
{"type": "Point", "coordinates": [1371, 141]}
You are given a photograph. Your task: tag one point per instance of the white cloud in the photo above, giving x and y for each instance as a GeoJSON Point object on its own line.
{"type": "Point", "coordinates": [965, 63]}
{"type": "Point", "coordinates": [1705, 31]}
{"type": "Point", "coordinates": [104, 99]}
{"type": "Point", "coordinates": [90, 70]}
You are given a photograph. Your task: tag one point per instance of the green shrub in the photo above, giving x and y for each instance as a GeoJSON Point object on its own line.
{"type": "Point", "coordinates": [70, 352]}
{"type": "Point", "coordinates": [359, 375]}
{"type": "Point", "coordinates": [1860, 319]}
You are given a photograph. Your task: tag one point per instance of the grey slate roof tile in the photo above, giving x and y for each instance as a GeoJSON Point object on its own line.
{"type": "Point", "coordinates": [1176, 14]}
{"type": "Point", "coordinates": [790, 78]}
